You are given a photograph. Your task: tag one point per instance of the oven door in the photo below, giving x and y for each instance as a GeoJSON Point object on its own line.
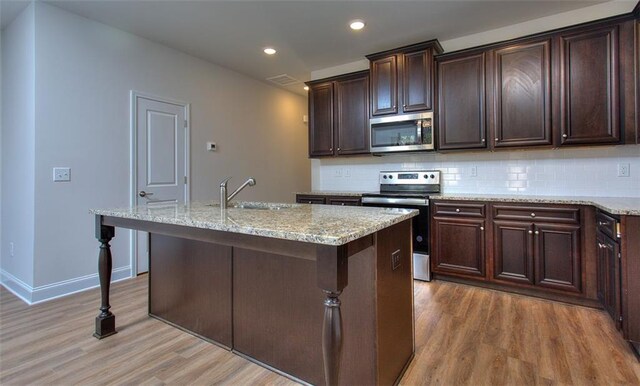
{"type": "Point", "coordinates": [421, 242]}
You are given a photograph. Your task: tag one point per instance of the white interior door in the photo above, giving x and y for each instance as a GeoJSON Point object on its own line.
{"type": "Point", "coordinates": [161, 160]}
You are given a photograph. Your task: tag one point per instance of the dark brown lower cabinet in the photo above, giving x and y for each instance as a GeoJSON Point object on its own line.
{"type": "Point", "coordinates": [557, 256]}
{"type": "Point", "coordinates": [609, 277]}
{"type": "Point", "coordinates": [459, 246]}
{"type": "Point", "coordinates": [513, 252]}
{"type": "Point", "coordinates": [328, 199]}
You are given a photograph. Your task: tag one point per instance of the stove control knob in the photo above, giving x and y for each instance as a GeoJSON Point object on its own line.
{"type": "Point", "coordinates": [384, 176]}
{"type": "Point", "coordinates": [390, 177]}
{"type": "Point", "coordinates": [426, 176]}
{"type": "Point", "coordinates": [432, 176]}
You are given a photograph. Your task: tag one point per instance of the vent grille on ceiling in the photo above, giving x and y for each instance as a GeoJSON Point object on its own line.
{"type": "Point", "coordinates": [283, 80]}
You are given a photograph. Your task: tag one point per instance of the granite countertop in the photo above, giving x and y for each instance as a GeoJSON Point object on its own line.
{"type": "Point", "coordinates": [332, 193]}
{"type": "Point", "coordinates": [614, 205]}
{"type": "Point", "coordinates": [318, 224]}
{"type": "Point", "coordinates": [629, 206]}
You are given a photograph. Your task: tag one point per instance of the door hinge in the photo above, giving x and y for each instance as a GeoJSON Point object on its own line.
{"type": "Point", "coordinates": [185, 180]}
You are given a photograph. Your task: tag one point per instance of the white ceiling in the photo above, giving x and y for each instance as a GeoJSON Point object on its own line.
{"type": "Point", "coordinates": [308, 34]}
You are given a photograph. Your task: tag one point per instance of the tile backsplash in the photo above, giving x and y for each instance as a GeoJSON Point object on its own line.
{"type": "Point", "coordinates": [559, 172]}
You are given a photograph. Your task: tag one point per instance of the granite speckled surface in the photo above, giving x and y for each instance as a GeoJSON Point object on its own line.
{"type": "Point", "coordinates": [318, 224]}
{"type": "Point", "coordinates": [333, 193]}
{"type": "Point", "coordinates": [614, 205]}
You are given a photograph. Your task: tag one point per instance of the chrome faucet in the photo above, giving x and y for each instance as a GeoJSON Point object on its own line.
{"type": "Point", "coordinates": [224, 199]}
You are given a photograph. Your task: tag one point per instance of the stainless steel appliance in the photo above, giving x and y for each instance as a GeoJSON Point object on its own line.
{"type": "Point", "coordinates": [410, 189]}
{"type": "Point", "coordinates": [409, 132]}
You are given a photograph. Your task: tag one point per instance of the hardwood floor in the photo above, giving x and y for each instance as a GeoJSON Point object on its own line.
{"type": "Point", "coordinates": [464, 335]}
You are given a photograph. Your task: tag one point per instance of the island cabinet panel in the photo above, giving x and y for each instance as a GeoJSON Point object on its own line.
{"type": "Point", "coordinates": [384, 86]}
{"type": "Point", "coordinates": [589, 71]}
{"type": "Point", "coordinates": [190, 286]}
{"type": "Point", "coordinates": [513, 252]}
{"type": "Point", "coordinates": [521, 106]}
{"type": "Point", "coordinates": [459, 246]}
{"type": "Point", "coordinates": [557, 255]}
{"type": "Point", "coordinates": [461, 106]}
{"type": "Point", "coordinates": [321, 119]}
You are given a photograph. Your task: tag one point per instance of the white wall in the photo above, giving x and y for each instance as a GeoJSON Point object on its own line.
{"type": "Point", "coordinates": [84, 72]}
{"type": "Point", "coordinates": [578, 171]}
{"type": "Point", "coordinates": [18, 139]}
{"type": "Point", "coordinates": [566, 172]}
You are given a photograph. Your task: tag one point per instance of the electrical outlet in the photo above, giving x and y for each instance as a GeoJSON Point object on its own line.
{"type": "Point", "coordinates": [395, 260]}
{"type": "Point", "coordinates": [61, 174]}
{"type": "Point", "coordinates": [338, 172]}
{"type": "Point", "coordinates": [474, 171]}
{"type": "Point", "coordinates": [211, 146]}
{"type": "Point", "coordinates": [11, 249]}
{"type": "Point", "coordinates": [624, 170]}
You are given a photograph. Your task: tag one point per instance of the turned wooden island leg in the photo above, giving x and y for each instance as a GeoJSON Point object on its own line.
{"type": "Point", "coordinates": [106, 320]}
{"type": "Point", "coordinates": [332, 272]}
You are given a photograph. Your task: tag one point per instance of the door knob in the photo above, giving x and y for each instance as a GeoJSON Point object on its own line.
{"type": "Point", "coordinates": [142, 193]}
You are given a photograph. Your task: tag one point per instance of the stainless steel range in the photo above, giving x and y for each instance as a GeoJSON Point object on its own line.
{"type": "Point", "coordinates": [410, 189]}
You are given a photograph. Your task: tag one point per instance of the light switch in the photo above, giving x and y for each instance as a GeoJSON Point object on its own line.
{"type": "Point", "coordinates": [61, 174]}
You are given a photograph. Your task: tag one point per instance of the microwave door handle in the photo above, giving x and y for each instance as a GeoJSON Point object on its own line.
{"type": "Point", "coordinates": [419, 131]}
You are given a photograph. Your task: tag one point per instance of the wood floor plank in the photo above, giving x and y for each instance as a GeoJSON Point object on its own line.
{"type": "Point", "coordinates": [464, 336]}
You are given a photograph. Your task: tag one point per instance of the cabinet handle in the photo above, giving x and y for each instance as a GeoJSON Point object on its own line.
{"type": "Point", "coordinates": [482, 140]}
{"type": "Point", "coordinates": [403, 106]}
{"type": "Point", "coordinates": [310, 202]}
{"type": "Point", "coordinates": [330, 149]}
{"type": "Point", "coordinates": [481, 228]}
{"type": "Point", "coordinates": [338, 149]}
{"type": "Point", "coordinates": [536, 232]}
{"type": "Point", "coordinates": [458, 210]}
{"type": "Point", "coordinates": [497, 139]}
{"type": "Point", "coordinates": [564, 136]}
{"type": "Point", "coordinates": [342, 203]}
{"type": "Point", "coordinates": [603, 222]}
{"type": "Point", "coordinates": [530, 232]}
{"type": "Point", "coordinates": [533, 215]}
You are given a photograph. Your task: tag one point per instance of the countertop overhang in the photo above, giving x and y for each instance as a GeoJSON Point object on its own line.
{"type": "Point", "coordinates": [318, 224]}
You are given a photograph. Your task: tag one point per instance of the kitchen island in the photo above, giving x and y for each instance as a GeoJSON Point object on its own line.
{"type": "Point", "coordinates": [321, 294]}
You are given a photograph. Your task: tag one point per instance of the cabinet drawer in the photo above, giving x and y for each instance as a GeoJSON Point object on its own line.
{"type": "Point", "coordinates": [459, 209]}
{"type": "Point", "coordinates": [607, 224]}
{"type": "Point", "coordinates": [568, 215]}
{"type": "Point", "coordinates": [344, 201]}
{"type": "Point", "coordinates": [306, 199]}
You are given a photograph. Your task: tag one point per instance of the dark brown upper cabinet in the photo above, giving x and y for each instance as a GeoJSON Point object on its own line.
{"type": "Point", "coordinates": [461, 105]}
{"type": "Point", "coordinates": [521, 85]}
{"type": "Point", "coordinates": [403, 75]}
{"type": "Point", "coordinates": [339, 115]}
{"type": "Point", "coordinates": [589, 86]}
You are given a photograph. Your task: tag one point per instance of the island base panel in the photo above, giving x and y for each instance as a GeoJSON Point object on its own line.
{"type": "Point", "coordinates": [190, 286]}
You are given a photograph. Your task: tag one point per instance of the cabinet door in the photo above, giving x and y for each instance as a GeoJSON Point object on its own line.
{"type": "Point", "coordinates": [321, 122]}
{"type": "Point", "coordinates": [612, 288]}
{"type": "Point", "coordinates": [459, 246]}
{"type": "Point", "coordinates": [513, 252]}
{"type": "Point", "coordinates": [461, 106]}
{"type": "Point", "coordinates": [384, 86]}
{"type": "Point", "coordinates": [601, 273]}
{"type": "Point", "coordinates": [522, 95]}
{"type": "Point", "coordinates": [417, 81]}
{"type": "Point", "coordinates": [557, 256]}
{"type": "Point", "coordinates": [590, 86]}
{"type": "Point", "coordinates": [352, 115]}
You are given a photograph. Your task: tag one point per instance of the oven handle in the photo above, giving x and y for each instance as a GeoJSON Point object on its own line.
{"type": "Point", "coordinates": [398, 201]}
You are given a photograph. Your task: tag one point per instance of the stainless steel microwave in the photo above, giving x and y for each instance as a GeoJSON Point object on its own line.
{"type": "Point", "coordinates": [409, 132]}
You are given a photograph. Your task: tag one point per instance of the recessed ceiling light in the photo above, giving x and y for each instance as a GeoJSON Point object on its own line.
{"type": "Point", "coordinates": [269, 51]}
{"type": "Point", "coordinates": [306, 88]}
{"type": "Point", "coordinates": [356, 25]}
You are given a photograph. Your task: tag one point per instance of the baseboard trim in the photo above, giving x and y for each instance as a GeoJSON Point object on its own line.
{"type": "Point", "coordinates": [33, 295]}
